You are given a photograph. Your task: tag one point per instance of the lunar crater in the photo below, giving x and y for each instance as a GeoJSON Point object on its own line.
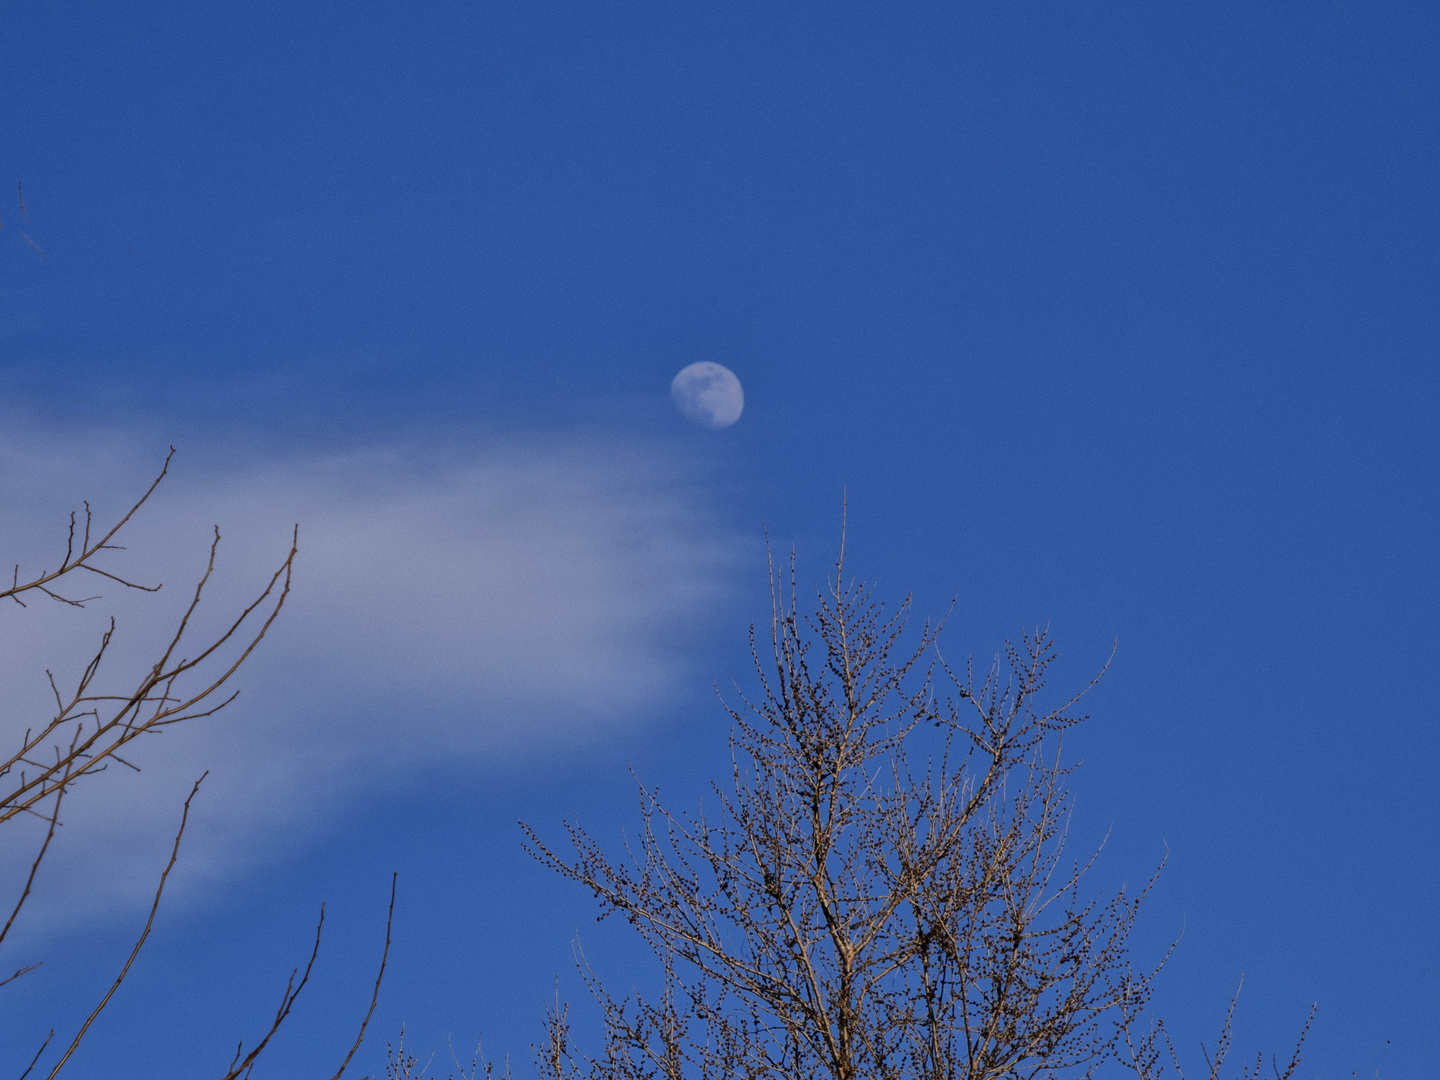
{"type": "Point", "coordinates": [708, 394]}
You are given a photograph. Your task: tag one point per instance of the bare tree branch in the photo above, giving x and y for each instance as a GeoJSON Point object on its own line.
{"type": "Point", "coordinates": [140, 941]}
{"type": "Point", "coordinates": [30, 878]}
{"type": "Point", "coordinates": [29, 1068]}
{"type": "Point", "coordinates": [287, 1001]}
{"type": "Point", "coordinates": [101, 725]}
{"type": "Point", "coordinates": [881, 889]}
{"type": "Point", "coordinates": [91, 728]}
{"type": "Point", "coordinates": [375, 995]}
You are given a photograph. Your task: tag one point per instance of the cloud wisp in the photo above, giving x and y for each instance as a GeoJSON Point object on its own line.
{"type": "Point", "coordinates": [446, 606]}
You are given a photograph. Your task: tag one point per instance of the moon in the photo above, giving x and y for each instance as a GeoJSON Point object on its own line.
{"type": "Point", "coordinates": [708, 394]}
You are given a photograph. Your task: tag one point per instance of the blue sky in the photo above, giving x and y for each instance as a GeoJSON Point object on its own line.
{"type": "Point", "coordinates": [1114, 317]}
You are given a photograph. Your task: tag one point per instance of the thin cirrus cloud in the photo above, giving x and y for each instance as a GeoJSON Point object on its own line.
{"type": "Point", "coordinates": [446, 605]}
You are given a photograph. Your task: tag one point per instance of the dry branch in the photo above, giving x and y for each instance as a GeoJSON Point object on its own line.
{"type": "Point", "coordinates": [89, 729]}
{"type": "Point", "coordinates": [375, 994]}
{"type": "Point", "coordinates": [880, 890]}
{"type": "Point", "coordinates": [140, 941]}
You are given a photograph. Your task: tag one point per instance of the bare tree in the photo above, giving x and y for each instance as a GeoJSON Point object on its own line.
{"type": "Point", "coordinates": [92, 728]}
{"type": "Point", "coordinates": [880, 891]}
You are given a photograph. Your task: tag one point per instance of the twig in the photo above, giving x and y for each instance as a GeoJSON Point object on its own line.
{"type": "Point", "coordinates": [292, 991]}
{"type": "Point", "coordinates": [87, 549]}
{"type": "Point", "coordinates": [21, 971]}
{"type": "Point", "coordinates": [375, 996]}
{"type": "Point", "coordinates": [29, 881]}
{"type": "Point", "coordinates": [37, 1054]}
{"type": "Point", "coordinates": [154, 907]}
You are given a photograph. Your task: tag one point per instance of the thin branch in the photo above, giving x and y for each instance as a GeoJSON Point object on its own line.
{"type": "Point", "coordinates": [88, 549]}
{"type": "Point", "coordinates": [36, 1058]}
{"type": "Point", "coordinates": [851, 912]}
{"type": "Point", "coordinates": [18, 972]}
{"type": "Point", "coordinates": [90, 753]}
{"type": "Point", "coordinates": [375, 995]}
{"type": "Point", "coordinates": [149, 922]}
{"type": "Point", "coordinates": [34, 867]}
{"type": "Point", "coordinates": [287, 1001]}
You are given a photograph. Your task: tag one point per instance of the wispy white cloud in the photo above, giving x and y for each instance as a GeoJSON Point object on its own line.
{"type": "Point", "coordinates": [446, 605]}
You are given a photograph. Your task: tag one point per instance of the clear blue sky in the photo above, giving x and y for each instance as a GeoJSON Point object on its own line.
{"type": "Point", "coordinates": [1122, 318]}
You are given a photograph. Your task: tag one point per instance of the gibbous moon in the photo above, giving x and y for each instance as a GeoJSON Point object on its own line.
{"type": "Point", "coordinates": [708, 394]}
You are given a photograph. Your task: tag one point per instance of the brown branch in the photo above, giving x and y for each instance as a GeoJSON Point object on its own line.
{"type": "Point", "coordinates": [18, 972]}
{"type": "Point", "coordinates": [149, 922]}
{"type": "Point", "coordinates": [90, 753]}
{"type": "Point", "coordinates": [36, 1058]}
{"type": "Point", "coordinates": [851, 914]}
{"type": "Point", "coordinates": [375, 994]}
{"type": "Point", "coordinates": [34, 867]}
{"type": "Point", "coordinates": [89, 550]}
{"type": "Point", "coordinates": [287, 1000]}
